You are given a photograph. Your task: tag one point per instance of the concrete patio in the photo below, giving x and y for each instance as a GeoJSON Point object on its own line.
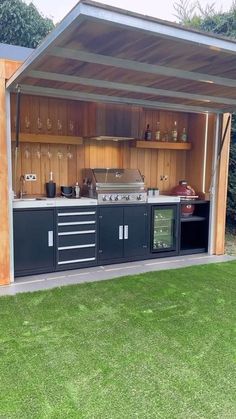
{"type": "Point", "coordinates": [101, 273]}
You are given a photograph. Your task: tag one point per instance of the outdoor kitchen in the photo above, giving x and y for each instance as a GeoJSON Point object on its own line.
{"type": "Point", "coordinates": [107, 194]}
{"type": "Point", "coordinates": [110, 162]}
{"type": "Point", "coordinates": [117, 286]}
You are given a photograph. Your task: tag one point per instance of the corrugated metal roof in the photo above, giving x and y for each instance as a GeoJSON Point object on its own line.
{"type": "Point", "coordinates": [104, 54]}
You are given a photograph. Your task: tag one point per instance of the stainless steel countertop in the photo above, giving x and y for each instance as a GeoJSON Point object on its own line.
{"type": "Point", "coordinates": [73, 202]}
{"type": "Point", "coordinates": [53, 202]}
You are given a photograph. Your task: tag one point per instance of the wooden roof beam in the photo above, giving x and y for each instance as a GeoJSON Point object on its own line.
{"type": "Point", "coordinates": [128, 87]}
{"type": "Point", "coordinates": [76, 95]}
{"type": "Point", "coordinates": [139, 66]}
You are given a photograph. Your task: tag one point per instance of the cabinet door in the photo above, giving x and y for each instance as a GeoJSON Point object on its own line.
{"type": "Point", "coordinates": [110, 233]}
{"type": "Point", "coordinates": [33, 241]}
{"type": "Point", "coordinates": [135, 231]}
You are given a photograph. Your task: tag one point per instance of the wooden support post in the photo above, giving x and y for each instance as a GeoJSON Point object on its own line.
{"type": "Point", "coordinates": [6, 69]}
{"type": "Point", "coordinates": [222, 185]}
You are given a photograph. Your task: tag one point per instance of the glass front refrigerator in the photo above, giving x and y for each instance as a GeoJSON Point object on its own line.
{"type": "Point", "coordinates": [164, 228]}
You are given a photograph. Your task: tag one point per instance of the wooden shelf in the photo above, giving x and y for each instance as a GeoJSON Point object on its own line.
{"type": "Point", "coordinates": [161, 145]}
{"type": "Point", "coordinates": [47, 138]}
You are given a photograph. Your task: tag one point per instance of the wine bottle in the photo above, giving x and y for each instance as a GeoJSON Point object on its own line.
{"type": "Point", "coordinates": [175, 132]}
{"type": "Point", "coordinates": [184, 136]}
{"type": "Point", "coordinates": [148, 133]}
{"type": "Point", "coordinates": [158, 132]}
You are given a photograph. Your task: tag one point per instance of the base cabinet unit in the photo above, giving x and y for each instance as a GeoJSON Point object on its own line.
{"type": "Point", "coordinates": [76, 237]}
{"type": "Point", "coordinates": [53, 239]}
{"type": "Point", "coordinates": [164, 229]}
{"type": "Point", "coordinates": [34, 250]}
{"type": "Point", "coordinates": [123, 233]}
{"type": "Point", "coordinates": [194, 229]}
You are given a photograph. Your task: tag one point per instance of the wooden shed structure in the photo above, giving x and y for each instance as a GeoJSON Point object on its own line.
{"type": "Point", "coordinates": [104, 74]}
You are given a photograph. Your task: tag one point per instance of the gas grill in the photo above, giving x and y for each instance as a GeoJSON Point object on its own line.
{"type": "Point", "coordinates": [116, 186]}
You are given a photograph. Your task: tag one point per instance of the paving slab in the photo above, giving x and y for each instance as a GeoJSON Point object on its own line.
{"type": "Point", "coordinates": [100, 273]}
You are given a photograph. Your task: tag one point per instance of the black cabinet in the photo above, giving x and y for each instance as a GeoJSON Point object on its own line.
{"type": "Point", "coordinates": [123, 232]}
{"type": "Point", "coordinates": [33, 241]}
{"type": "Point", "coordinates": [194, 229]}
{"type": "Point", "coordinates": [76, 237]}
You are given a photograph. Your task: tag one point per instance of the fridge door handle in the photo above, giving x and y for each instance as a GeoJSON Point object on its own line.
{"type": "Point", "coordinates": [174, 229]}
{"type": "Point", "coordinates": [121, 232]}
{"type": "Point", "coordinates": [126, 232]}
{"type": "Point", "coordinates": [50, 238]}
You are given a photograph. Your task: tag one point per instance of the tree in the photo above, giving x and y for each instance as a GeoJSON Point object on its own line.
{"type": "Point", "coordinates": [22, 24]}
{"type": "Point", "coordinates": [221, 23]}
{"type": "Point", "coordinates": [192, 13]}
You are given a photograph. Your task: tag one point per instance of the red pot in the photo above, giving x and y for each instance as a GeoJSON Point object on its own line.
{"type": "Point", "coordinates": [183, 189]}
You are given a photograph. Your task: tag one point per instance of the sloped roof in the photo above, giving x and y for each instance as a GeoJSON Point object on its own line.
{"type": "Point", "coordinates": [101, 53]}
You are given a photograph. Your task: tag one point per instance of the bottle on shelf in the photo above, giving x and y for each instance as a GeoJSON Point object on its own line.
{"type": "Point", "coordinates": [166, 136]}
{"type": "Point", "coordinates": [148, 133]}
{"type": "Point", "coordinates": [158, 132]}
{"type": "Point", "coordinates": [184, 137]}
{"type": "Point", "coordinates": [175, 132]}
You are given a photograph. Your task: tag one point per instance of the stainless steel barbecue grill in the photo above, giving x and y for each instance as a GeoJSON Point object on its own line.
{"type": "Point", "coordinates": [114, 186]}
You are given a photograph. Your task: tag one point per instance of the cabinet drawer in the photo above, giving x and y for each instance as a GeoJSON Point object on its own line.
{"type": "Point", "coordinates": [75, 217]}
{"type": "Point", "coordinates": [70, 228]}
{"type": "Point", "coordinates": [79, 255]}
{"type": "Point", "coordinates": [89, 237]}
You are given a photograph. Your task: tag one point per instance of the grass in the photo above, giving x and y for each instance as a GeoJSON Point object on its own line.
{"type": "Point", "coordinates": [159, 345]}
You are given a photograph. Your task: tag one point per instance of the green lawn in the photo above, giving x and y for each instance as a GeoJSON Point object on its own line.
{"type": "Point", "coordinates": [159, 345]}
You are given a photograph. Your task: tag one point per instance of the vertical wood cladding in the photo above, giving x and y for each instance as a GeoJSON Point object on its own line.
{"type": "Point", "coordinates": [74, 118]}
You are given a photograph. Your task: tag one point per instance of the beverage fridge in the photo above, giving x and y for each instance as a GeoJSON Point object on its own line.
{"type": "Point", "coordinates": [164, 228]}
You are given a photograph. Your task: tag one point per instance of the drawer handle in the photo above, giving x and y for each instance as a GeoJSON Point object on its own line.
{"type": "Point", "coordinates": [68, 214]}
{"type": "Point", "coordinates": [76, 223]}
{"type": "Point", "coordinates": [72, 233]}
{"type": "Point", "coordinates": [121, 233]}
{"type": "Point", "coordinates": [78, 246]}
{"type": "Point", "coordinates": [50, 238]}
{"type": "Point", "coordinates": [76, 261]}
{"type": "Point", "coordinates": [126, 232]}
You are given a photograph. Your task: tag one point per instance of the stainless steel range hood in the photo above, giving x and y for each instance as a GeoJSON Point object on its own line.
{"type": "Point", "coordinates": [110, 138]}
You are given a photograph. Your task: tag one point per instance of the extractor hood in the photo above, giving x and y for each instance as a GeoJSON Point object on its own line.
{"type": "Point", "coordinates": [110, 138]}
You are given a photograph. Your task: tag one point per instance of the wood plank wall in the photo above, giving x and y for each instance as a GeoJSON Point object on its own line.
{"type": "Point", "coordinates": [221, 193]}
{"type": "Point", "coordinates": [195, 161]}
{"type": "Point", "coordinates": [41, 115]}
{"type": "Point", "coordinates": [7, 68]}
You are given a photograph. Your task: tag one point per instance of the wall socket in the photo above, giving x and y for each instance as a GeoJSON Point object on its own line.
{"type": "Point", "coordinates": [30, 177]}
{"type": "Point", "coordinates": [163, 177]}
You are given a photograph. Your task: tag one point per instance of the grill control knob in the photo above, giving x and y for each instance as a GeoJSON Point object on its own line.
{"type": "Point", "coordinates": [127, 197]}
{"type": "Point", "coordinates": [117, 198]}
{"type": "Point", "coordinates": [139, 197]}
{"type": "Point", "coordinates": [104, 198]}
{"type": "Point", "coordinates": [112, 198]}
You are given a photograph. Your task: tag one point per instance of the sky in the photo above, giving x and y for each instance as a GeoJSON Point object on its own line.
{"type": "Point", "coordinates": [162, 9]}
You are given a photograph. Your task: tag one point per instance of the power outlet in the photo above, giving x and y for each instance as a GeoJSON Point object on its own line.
{"type": "Point", "coordinates": [164, 177]}
{"type": "Point", "coordinates": [30, 177]}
